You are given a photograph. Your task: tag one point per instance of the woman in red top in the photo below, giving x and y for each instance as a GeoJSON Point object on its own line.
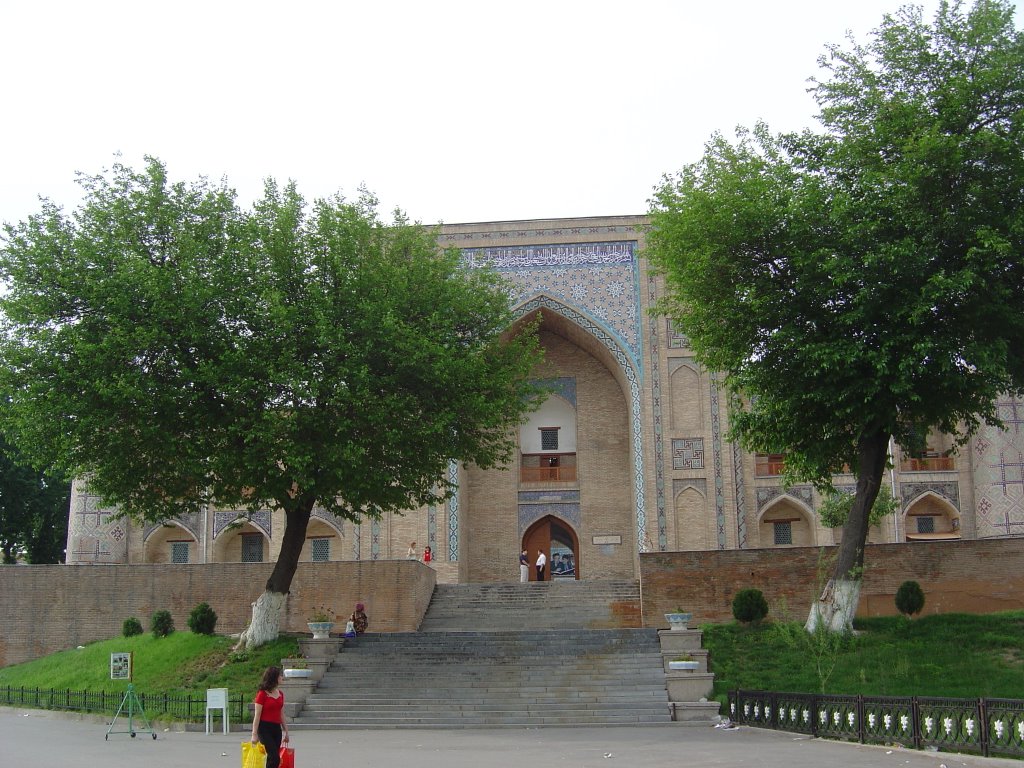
{"type": "Point", "coordinates": [268, 724]}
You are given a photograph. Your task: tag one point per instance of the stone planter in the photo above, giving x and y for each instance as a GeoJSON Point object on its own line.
{"type": "Point", "coordinates": [321, 629]}
{"type": "Point", "coordinates": [678, 621]}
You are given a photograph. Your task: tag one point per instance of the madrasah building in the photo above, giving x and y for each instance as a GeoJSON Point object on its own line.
{"type": "Point", "coordinates": [628, 454]}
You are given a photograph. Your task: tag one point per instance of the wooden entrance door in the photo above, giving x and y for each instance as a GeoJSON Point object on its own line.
{"type": "Point", "coordinates": [553, 537]}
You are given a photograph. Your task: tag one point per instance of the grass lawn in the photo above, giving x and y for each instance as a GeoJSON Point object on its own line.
{"type": "Point", "coordinates": [181, 662]}
{"type": "Point", "coordinates": [954, 655]}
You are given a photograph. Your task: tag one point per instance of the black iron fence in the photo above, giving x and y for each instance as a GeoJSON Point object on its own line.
{"type": "Point", "coordinates": [986, 727]}
{"type": "Point", "coordinates": [184, 707]}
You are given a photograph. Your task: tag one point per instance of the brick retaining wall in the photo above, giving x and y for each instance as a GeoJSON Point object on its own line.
{"type": "Point", "coordinates": [980, 576]}
{"type": "Point", "coordinates": [48, 608]}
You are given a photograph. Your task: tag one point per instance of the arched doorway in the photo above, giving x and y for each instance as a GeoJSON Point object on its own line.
{"type": "Point", "coordinates": [559, 542]}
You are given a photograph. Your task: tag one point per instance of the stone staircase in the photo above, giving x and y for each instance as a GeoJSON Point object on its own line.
{"type": "Point", "coordinates": [502, 655]}
{"type": "Point", "coordinates": [567, 604]}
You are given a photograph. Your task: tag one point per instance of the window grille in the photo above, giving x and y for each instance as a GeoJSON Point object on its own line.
{"type": "Point", "coordinates": [179, 551]}
{"type": "Point", "coordinates": [252, 548]}
{"type": "Point", "coordinates": [549, 439]}
{"type": "Point", "coordinates": [783, 533]}
{"type": "Point", "coordinates": [926, 524]}
{"type": "Point", "coordinates": [320, 550]}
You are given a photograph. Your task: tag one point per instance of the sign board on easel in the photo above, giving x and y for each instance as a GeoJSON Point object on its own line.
{"type": "Point", "coordinates": [121, 668]}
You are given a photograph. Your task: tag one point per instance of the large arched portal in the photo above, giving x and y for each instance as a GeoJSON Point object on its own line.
{"type": "Point", "coordinates": [576, 461]}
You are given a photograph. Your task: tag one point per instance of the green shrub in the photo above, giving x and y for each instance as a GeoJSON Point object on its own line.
{"type": "Point", "coordinates": [749, 606]}
{"type": "Point", "coordinates": [161, 625]}
{"type": "Point", "coordinates": [909, 598]}
{"type": "Point", "coordinates": [131, 627]}
{"type": "Point", "coordinates": [203, 619]}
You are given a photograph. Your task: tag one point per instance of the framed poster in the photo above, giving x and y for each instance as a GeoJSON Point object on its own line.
{"type": "Point", "coordinates": [121, 666]}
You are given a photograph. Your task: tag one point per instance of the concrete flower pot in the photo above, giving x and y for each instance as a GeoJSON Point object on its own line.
{"type": "Point", "coordinates": [678, 621]}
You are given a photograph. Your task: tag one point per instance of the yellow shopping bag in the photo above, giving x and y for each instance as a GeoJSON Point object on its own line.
{"type": "Point", "coordinates": [253, 755]}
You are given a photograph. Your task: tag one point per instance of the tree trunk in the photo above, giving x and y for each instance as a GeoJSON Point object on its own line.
{"type": "Point", "coordinates": [265, 625]}
{"type": "Point", "coordinates": [835, 608]}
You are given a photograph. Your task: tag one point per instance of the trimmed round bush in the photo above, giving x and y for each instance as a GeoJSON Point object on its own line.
{"type": "Point", "coordinates": [131, 627]}
{"type": "Point", "coordinates": [749, 606]}
{"type": "Point", "coordinates": [161, 625]}
{"type": "Point", "coordinates": [203, 619]}
{"type": "Point", "coordinates": [909, 598]}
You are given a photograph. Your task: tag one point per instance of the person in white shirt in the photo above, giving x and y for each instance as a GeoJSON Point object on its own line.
{"type": "Point", "coordinates": [542, 560]}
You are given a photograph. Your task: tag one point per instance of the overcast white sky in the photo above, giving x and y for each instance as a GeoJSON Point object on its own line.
{"type": "Point", "coordinates": [454, 111]}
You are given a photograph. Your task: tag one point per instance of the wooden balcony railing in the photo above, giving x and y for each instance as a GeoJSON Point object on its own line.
{"type": "Point", "coordinates": [547, 474]}
{"type": "Point", "coordinates": [548, 468]}
{"type": "Point", "coordinates": [767, 465]}
{"type": "Point", "coordinates": [928, 464]}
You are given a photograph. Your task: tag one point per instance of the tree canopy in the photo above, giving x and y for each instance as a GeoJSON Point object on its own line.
{"type": "Point", "coordinates": [33, 511]}
{"type": "Point", "coordinates": [177, 351]}
{"type": "Point", "coordinates": [863, 281]}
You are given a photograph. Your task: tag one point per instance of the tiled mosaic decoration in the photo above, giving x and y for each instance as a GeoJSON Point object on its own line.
{"type": "Point", "coordinates": [95, 534]}
{"type": "Point", "coordinates": [998, 461]}
{"type": "Point", "coordinates": [599, 278]}
{"type": "Point", "coordinates": [768, 494]}
{"type": "Point", "coordinates": [191, 523]}
{"type": "Point", "coordinates": [261, 521]}
{"type": "Point", "coordinates": [688, 453]}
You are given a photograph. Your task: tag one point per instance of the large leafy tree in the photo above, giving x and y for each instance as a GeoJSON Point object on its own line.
{"type": "Point", "coordinates": [178, 351]}
{"type": "Point", "coordinates": [863, 281]}
{"type": "Point", "coordinates": [33, 511]}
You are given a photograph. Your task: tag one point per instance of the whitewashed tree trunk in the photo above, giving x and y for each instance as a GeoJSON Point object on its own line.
{"type": "Point", "coordinates": [265, 625]}
{"type": "Point", "coordinates": [835, 608]}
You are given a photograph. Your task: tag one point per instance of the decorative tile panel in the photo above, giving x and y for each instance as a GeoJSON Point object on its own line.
{"type": "Point", "coordinates": [688, 453]}
{"type": "Point", "coordinates": [716, 447]}
{"type": "Point", "coordinates": [337, 523]}
{"type": "Point", "coordinates": [261, 520]}
{"type": "Point", "coordinates": [741, 496]}
{"type": "Point", "coordinates": [676, 339]}
{"type": "Point", "coordinates": [998, 462]}
{"type": "Point", "coordinates": [191, 523]}
{"type": "Point", "coordinates": [598, 278]}
{"type": "Point", "coordinates": [543, 497]}
{"type": "Point", "coordinates": [432, 530]}
{"type": "Point", "coordinates": [659, 437]}
{"type": "Point", "coordinates": [949, 491]}
{"type": "Point", "coordinates": [531, 513]}
{"type": "Point", "coordinates": [563, 386]}
{"type": "Point", "coordinates": [767, 494]}
{"type": "Point", "coordinates": [96, 534]}
{"type": "Point", "coordinates": [453, 512]}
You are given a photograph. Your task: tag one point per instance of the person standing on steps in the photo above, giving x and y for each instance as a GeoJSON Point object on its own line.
{"type": "Point", "coordinates": [542, 560]}
{"type": "Point", "coordinates": [524, 567]}
{"type": "Point", "coordinates": [411, 552]}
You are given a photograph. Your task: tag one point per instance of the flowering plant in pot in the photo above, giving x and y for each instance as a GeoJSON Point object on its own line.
{"type": "Point", "coordinates": [320, 623]}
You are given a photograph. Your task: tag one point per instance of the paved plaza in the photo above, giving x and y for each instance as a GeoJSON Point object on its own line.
{"type": "Point", "coordinates": [37, 739]}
